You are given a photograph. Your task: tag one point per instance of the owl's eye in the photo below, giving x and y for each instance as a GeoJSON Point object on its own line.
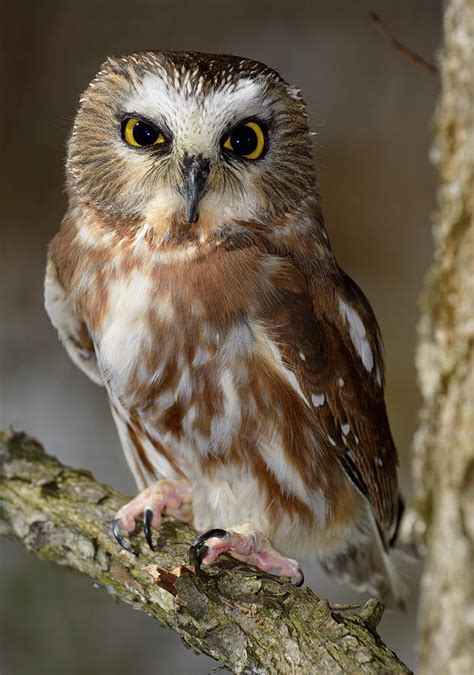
{"type": "Point", "coordinates": [140, 134]}
{"type": "Point", "coordinates": [247, 140]}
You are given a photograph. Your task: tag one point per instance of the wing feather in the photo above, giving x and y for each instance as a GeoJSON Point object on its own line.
{"type": "Point", "coordinates": [355, 415]}
{"type": "Point", "coordinates": [72, 330]}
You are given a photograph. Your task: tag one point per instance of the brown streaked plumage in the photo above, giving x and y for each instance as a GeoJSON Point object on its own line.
{"type": "Point", "coordinates": [194, 279]}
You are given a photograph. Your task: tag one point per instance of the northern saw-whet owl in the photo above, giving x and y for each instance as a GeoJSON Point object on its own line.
{"type": "Point", "coordinates": [193, 278]}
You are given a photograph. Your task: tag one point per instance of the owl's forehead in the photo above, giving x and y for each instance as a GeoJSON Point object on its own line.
{"type": "Point", "coordinates": [186, 102]}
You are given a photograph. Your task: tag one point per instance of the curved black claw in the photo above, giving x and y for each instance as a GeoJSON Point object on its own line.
{"type": "Point", "coordinates": [198, 549]}
{"type": "Point", "coordinates": [122, 540]}
{"type": "Point", "coordinates": [147, 518]}
{"type": "Point", "coordinates": [299, 580]}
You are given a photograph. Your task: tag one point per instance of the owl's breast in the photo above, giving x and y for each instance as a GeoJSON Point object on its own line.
{"type": "Point", "coordinates": [124, 332]}
{"type": "Point", "coordinates": [177, 366]}
{"type": "Point", "coordinates": [163, 329]}
{"type": "Point", "coordinates": [195, 351]}
{"type": "Point", "coordinates": [167, 356]}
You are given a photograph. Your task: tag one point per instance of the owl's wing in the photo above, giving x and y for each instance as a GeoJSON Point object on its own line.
{"type": "Point", "coordinates": [327, 336]}
{"type": "Point", "coordinates": [71, 328]}
{"type": "Point", "coordinates": [355, 415]}
{"type": "Point", "coordinates": [340, 368]}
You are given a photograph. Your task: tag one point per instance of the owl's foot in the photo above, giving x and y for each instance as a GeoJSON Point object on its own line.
{"type": "Point", "coordinates": [165, 497]}
{"type": "Point", "coordinates": [247, 544]}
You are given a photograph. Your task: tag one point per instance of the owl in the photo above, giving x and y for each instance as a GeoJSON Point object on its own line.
{"type": "Point", "coordinates": [193, 278]}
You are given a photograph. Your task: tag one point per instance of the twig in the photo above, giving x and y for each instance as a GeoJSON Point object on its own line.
{"type": "Point", "coordinates": [250, 621]}
{"type": "Point", "coordinates": [396, 44]}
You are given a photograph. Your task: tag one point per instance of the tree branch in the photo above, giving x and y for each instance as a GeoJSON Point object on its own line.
{"type": "Point", "coordinates": [399, 46]}
{"type": "Point", "coordinates": [250, 621]}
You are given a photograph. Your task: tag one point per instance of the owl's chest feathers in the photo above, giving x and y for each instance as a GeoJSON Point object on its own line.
{"type": "Point", "coordinates": [176, 346]}
{"type": "Point", "coordinates": [189, 347]}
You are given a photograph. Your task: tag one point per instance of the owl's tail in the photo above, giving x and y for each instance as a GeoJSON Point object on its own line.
{"type": "Point", "coordinates": [366, 565]}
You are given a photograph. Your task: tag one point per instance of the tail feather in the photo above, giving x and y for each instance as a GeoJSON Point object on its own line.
{"type": "Point", "coordinates": [365, 564]}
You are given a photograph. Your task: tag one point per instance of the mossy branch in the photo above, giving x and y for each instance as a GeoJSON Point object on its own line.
{"type": "Point", "coordinates": [249, 621]}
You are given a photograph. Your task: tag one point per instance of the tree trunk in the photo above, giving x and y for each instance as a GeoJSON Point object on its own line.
{"type": "Point", "coordinates": [443, 464]}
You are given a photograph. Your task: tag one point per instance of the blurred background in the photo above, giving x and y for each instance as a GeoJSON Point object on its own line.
{"type": "Point", "coordinates": [372, 111]}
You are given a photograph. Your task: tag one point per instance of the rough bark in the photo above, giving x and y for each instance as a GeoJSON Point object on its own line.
{"type": "Point", "coordinates": [251, 622]}
{"type": "Point", "coordinates": [443, 465]}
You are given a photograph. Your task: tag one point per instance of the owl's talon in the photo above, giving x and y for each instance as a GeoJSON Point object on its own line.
{"type": "Point", "coordinates": [298, 580]}
{"type": "Point", "coordinates": [147, 518]}
{"type": "Point", "coordinates": [215, 532]}
{"type": "Point", "coordinates": [165, 497]}
{"type": "Point", "coordinates": [198, 549]}
{"type": "Point", "coordinates": [121, 539]}
{"type": "Point", "coordinates": [248, 545]}
{"type": "Point", "coordinates": [196, 555]}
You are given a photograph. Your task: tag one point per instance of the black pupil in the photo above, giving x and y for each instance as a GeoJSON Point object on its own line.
{"type": "Point", "coordinates": [244, 140]}
{"type": "Point", "coordinates": [144, 134]}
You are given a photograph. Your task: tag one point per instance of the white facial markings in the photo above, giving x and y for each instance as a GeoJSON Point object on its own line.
{"type": "Point", "coordinates": [331, 440]}
{"type": "Point", "coordinates": [302, 356]}
{"type": "Point", "coordinates": [358, 334]}
{"type": "Point", "coordinates": [341, 382]}
{"type": "Point", "coordinates": [345, 428]}
{"type": "Point", "coordinates": [196, 121]}
{"type": "Point", "coordinates": [162, 207]}
{"type": "Point", "coordinates": [318, 400]}
{"type": "Point", "coordinates": [224, 207]}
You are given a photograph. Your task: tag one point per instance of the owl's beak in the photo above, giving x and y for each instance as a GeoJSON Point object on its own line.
{"type": "Point", "coordinates": [195, 175]}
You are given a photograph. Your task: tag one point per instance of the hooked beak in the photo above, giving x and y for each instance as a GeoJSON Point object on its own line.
{"type": "Point", "coordinates": [195, 175]}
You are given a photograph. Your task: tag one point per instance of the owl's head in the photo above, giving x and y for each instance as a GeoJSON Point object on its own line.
{"type": "Point", "coordinates": [176, 137]}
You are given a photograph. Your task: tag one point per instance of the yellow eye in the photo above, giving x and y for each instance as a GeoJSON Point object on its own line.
{"type": "Point", "coordinates": [140, 134]}
{"type": "Point", "coordinates": [247, 140]}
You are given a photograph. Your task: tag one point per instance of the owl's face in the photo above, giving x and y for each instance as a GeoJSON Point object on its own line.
{"type": "Point", "coordinates": [169, 137]}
